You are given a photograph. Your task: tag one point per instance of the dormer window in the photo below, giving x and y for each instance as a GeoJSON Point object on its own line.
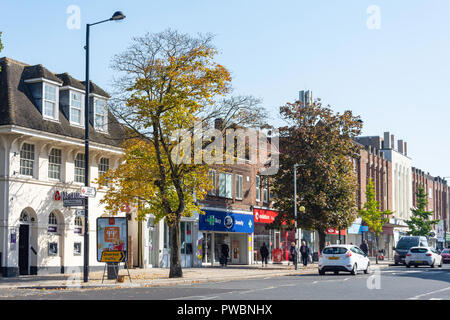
{"type": "Point", "coordinates": [76, 108]}
{"type": "Point", "coordinates": [100, 115]}
{"type": "Point", "coordinates": [50, 101]}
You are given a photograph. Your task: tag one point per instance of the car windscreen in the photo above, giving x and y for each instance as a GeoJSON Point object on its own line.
{"type": "Point", "coordinates": [419, 250]}
{"type": "Point", "coordinates": [446, 251]}
{"type": "Point", "coordinates": [335, 250]}
{"type": "Point", "coordinates": [407, 243]}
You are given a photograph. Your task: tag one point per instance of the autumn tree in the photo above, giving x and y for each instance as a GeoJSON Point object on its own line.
{"type": "Point", "coordinates": [321, 143]}
{"type": "Point", "coordinates": [372, 215]}
{"type": "Point", "coordinates": [420, 223]}
{"type": "Point", "coordinates": [1, 45]}
{"type": "Point", "coordinates": [165, 80]}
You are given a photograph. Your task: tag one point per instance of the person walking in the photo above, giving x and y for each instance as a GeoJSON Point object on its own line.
{"type": "Point", "coordinates": [225, 252]}
{"type": "Point", "coordinates": [304, 251]}
{"type": "Point", "coordinates": [293, 253]}
{"type": "Point", "coordinates": [364, 247]}
{"type": "Point", "coordinates": [264, 253]}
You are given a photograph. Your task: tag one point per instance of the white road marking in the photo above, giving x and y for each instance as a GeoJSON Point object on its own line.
{"type": "Point", "coordinates": [429, 293]}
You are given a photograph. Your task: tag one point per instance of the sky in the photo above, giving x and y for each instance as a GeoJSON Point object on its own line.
{"type": "Point", "coordinates": [387, 61]}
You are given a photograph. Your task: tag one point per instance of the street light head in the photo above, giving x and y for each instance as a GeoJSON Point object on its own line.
{"type": "Point", "coordinates": [118, 15]}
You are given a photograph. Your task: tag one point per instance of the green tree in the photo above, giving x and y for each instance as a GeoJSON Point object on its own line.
{"type": "Point", "coordinates": [372, 215]}
{"type": "Point", "coordinates": [321, 142]}
{"type": "Point", "coordinates": [420, 223]}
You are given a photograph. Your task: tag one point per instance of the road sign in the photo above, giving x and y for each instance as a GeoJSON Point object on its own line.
{"type": "Point", "coordinates": [113, 256]}
{"type": "Point", "coordinates": [88, 192]}
{"type": "Point", "coordinates": [79, 212]}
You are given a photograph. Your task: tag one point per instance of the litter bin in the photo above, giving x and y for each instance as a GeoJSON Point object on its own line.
{"type": "Point", "coordinates": [315, 256]}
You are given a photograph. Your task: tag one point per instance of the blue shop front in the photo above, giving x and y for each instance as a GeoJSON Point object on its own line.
{"type": "Point", "coordinates": [233, 228]}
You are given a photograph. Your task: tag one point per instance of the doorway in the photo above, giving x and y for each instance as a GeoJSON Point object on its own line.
{"type": "Point", "coordinates": [24, 249]}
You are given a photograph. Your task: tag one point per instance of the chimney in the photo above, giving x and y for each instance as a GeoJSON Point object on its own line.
{"type": "Point", "coordinates": [400, 146]}
{"type": "Point", "coordinates": [405, 149]}
{"type": "Point", "coordinates": [387, 141]}
{"type": "Point", "coordinates": [392, 141]}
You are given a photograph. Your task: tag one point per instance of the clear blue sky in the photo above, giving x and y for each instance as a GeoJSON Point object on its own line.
{"type": "Point", "coordinates": [396, 77]}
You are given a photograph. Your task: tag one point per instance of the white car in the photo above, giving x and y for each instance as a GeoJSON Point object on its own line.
{"type": "Point", "coordinates": [423, 256]}
{"type": "Point", "coordinates": [347, 258]}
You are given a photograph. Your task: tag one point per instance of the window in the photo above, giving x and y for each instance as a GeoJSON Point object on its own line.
{"type": "Point", "coordinates": [52, 223]}
{"type": "Point", "coordinates": [225, 185]}
{"type": "Point", "coordinates": [258, 188]}
{"type": "Point", "coordinates": [266, 190]}
{"type": "Point", "coordinates": [27, 159]}
{"type": "Point", "coordinates": [78, 225]}
{"type": "Point", "coordinates": [100, 115]}
{"type": "Point", "coordinates": [54, 164]}
{"type": "Point", "coordinates": [103, 166]}
{"type": "Point", "coordinates": [50, 102]}
{"type": "Point", "coordinates": [77, 248]}
{"type": "Point", "coordinates": [79, 168]}
{"type": "Point", "coordinates": [52, 249]}
{"type": "Point", "coordinates": [76, 108]}
{"type": "Point", "coordinates": [212, 178]}
{"type": "Point", "coordinates": [239, 182]}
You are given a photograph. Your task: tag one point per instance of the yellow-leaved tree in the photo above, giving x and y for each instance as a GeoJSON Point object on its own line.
{"type": "Point", "coordinates": [165, 81]}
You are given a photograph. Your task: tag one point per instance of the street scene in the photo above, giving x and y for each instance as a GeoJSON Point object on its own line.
{"type": "Point", "coordinates": [253, 152]}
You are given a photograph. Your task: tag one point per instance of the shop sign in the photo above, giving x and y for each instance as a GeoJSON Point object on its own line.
{"type": "Point", "coordinates": [226, 221]}
{"type": "Point", "coordinates": [264, 216]}
{"type": "Point", "coordinates": [335, 231]}
{"type": "Point", "coordinates": [356, 228]}
{"type": "Point", "coordinates": [73, 199]}
{"type": "Point", "coordinates": [112, 239]}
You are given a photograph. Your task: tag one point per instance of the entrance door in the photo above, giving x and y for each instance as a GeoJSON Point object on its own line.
{"type": "Point", "coordinates": [24, 248]}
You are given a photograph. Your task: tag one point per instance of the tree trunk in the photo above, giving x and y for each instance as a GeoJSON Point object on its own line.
{"type": "Point", "coordinates": [175, 251]}
{"type": "Point", "coordinates": [376, 252]}
{"type": "Point", "coordinates": [321, 240]}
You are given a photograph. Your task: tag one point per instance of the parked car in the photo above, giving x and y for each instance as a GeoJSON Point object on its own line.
{"type": "Point", "coordinates": [347, 258]}
{"type": "Point", "coordinates": [445, 254]}
{"type": "Point", "coordinates": [406, 243]}
{"type": "Point", "coordinates": [423, 256]}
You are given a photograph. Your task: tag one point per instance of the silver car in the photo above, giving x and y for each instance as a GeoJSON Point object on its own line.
{"type": "Point", "coordinates": [428, 256]}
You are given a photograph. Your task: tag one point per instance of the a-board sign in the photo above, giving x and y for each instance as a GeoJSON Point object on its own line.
{"type": "Point", "coordinates": [112, 239]}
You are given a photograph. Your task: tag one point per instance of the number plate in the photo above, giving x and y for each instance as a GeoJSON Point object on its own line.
{"type": "Point", "coordinates": [333, 258]}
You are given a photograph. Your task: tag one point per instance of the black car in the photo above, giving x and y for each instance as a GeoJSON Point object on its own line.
{"type": "Point", "coordinates": [404, 244]}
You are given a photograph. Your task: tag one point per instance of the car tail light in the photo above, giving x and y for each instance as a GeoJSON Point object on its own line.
{"type": "Point", "coordinates": [428, 254]}
{"type": "Point", "coordinates": [349, 254]}
{"type": "Point", "coordinates": [408, 254]}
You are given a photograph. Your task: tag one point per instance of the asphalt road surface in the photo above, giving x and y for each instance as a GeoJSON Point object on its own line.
{"type": "Point", "coordinates": [395, 282]}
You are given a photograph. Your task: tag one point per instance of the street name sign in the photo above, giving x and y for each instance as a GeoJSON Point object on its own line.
{"type": "Point", "coordinates": [88, 192]}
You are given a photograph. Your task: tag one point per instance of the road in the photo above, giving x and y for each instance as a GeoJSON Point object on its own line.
{"type": "Point", "coordinates": [394, 282]}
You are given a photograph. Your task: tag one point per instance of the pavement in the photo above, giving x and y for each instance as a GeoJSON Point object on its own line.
{"type": "Point", "coordinates": [158, 277]}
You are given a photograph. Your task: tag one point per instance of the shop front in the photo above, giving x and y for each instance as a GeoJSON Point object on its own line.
{"type": "Point", "coordinates": [226, 228]}
{"type": "Point", "coordinates": [270, 237]}
{"type": "Point", "coordinates": [335, 236]}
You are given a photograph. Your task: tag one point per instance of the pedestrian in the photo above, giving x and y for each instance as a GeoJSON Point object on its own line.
{"type": "Point", "coordinates": [264, 253]}
{"type": "Point", "coordinates": [304, 251]}
{"type": "Point", "coordinates": [364, 247]}
{"type": "Point", "coordinates": [293, 253]}
{"type": "Point", "coordinates": [328, 244]}
{"type": "Point", "coordinates": [225, 251]}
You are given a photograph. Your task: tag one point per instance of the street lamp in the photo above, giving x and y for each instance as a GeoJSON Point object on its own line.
{"type": "Point", "coordinates": [118, 15]}
{"type": "Point", "coordinates": [302, 209]}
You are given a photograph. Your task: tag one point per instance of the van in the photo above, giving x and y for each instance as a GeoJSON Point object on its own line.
{"type": "Point", "coordinates": [404, 244]}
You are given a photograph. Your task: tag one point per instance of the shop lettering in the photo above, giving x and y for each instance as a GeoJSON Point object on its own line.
{"type": "Point", "coordinates": [243, 309]}
{"type": "Point", "coordinates": [205, 311]}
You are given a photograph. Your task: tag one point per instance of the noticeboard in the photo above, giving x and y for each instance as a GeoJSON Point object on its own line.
{"type": "Point", "coordinates": [112, 239]}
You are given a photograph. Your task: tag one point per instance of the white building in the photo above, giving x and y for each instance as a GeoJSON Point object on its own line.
{"type": "Point", "coordinates": [41, 160]}
{"type": "Point", "coordinates": [401, 183]}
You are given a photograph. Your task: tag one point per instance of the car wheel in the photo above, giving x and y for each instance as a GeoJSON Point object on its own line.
{"type": "Point", "coordinates": [367, 269]}
{"type": "Point", "coordinates": [440, 265]}
{"type": "Point", "coordinates": [408, 265]}
{"type": "Point", "coordinates": [321, 272]}
{"type": "Point", "coordinates": [354, 270]}
{"type": "Point", "coordinates": [336, 272]}
{"type": "Point", "coordinates": [432, 265]}
{"type": "Point", "coordinates": [416, 266]}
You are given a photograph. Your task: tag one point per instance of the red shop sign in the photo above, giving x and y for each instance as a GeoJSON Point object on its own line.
{"type": "Point", "coordinates": [264, 216]}
{"type": "Point", "coordinates": [336, 232]}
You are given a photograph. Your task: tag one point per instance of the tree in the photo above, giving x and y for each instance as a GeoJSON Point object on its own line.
{"type": "Point", "coordinates": [166, 80]}
{"type": "Point", "coordinates": [420, 223]}
{"type": "Point", "coordinates": [321, 142]}
{"type": "Point", "coordinates": [372, 215]}
{"type": "Point", "coordinates": [1, 45]}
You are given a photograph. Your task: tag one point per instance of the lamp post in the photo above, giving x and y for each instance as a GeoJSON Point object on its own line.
{"type": "Point", "coordinates": [446, 203]}
{"type": "Point", "coordinates": [302, 209]}
{"type": "Point", "coordinates": [118, 15]}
